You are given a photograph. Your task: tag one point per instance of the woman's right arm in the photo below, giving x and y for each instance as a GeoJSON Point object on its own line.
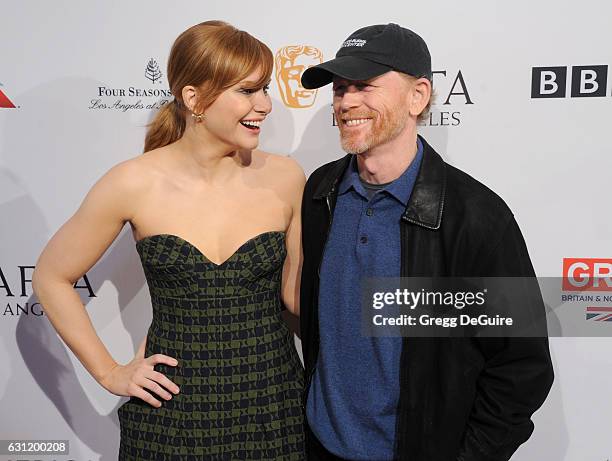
{"type": "Point", "coordinates": [71, 252]}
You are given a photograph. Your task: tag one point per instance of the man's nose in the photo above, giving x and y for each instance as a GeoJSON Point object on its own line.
{"type": "Point", "coordinates": [349, 99]}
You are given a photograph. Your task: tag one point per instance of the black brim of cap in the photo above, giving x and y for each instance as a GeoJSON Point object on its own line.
{"type": "Point", "coordinates": [348, 67]}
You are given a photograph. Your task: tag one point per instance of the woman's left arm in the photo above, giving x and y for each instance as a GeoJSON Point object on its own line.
{"type": "Point", "coordinates": [294, 179]}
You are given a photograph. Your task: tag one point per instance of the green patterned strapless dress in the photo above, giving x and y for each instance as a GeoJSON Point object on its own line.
{"type": "Point", "coordinates": [239, 374]}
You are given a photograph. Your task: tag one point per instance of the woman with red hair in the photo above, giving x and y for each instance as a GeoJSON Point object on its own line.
{"type": "Point", "coordinates": [217, 229]}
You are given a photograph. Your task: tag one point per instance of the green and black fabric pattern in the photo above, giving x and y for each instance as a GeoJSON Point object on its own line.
{"type": "Point", "coordinates": [239, 374]}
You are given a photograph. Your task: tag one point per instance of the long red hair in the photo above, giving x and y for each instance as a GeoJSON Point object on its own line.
{"type": "Point", "coordinates": [212, 56]}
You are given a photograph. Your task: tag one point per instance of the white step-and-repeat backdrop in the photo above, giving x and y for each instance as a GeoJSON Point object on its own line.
{"type": "Point", "coordinates": [524, 101]}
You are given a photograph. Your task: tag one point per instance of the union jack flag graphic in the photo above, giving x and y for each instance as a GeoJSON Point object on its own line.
{"type": "Point", "coordinates": [599, 314]}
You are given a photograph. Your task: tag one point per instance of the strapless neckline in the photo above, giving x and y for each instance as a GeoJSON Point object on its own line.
{"type": "Point", "coordinates": [224, 325]}
{"type": "Point", "coordinates": [141, 241]}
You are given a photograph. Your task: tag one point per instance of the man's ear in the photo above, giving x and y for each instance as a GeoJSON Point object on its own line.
{"type": "Point", "coordinates": [419, 96]}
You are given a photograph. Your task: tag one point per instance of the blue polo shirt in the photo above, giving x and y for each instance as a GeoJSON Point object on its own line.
{"type": "Point", "coordinates": [354, 395]}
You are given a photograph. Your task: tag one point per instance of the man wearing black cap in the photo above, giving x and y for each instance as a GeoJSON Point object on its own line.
{"type": "Point", "coordinates": [392, 207]}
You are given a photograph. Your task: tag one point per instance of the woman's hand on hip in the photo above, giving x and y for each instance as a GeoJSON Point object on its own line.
{"type": "Point", "coordinates": [132, 379]}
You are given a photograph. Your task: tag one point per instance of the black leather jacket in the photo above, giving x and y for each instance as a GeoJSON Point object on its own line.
{"type": "Point", "coordinates": [463, 399]}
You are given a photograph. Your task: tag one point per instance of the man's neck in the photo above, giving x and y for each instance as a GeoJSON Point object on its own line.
{"type": "Point", "coordinates": [387, 162]}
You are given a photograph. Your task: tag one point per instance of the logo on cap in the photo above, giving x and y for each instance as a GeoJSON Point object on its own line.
{"type": "Point", "coordinates": [354, 42]}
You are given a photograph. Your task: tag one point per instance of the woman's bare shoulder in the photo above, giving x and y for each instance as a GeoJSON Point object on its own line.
{"type": "Point", "coordinates": [281, 167]}
{"type": "Point", "coordinates": [137, 172]}
{"type": "Point", "coordinates": [284, 174]}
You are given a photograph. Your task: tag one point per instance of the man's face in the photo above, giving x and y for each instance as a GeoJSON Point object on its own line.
{"type": "Point", "coordinates": [370, 113]}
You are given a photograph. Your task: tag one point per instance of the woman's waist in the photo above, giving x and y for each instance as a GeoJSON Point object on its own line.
{"type": "Point", "coordinates": [176, 331]}
{"type": "Point", "coordinates": [265, 344]}
{"type": "Point", "coordinates": [191, 296]}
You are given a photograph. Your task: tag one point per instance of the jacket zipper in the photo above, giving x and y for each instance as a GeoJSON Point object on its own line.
{"type": "Point", "coordinates": [330, 218]}
{"type": "Point", "coordinates": [314, 365]}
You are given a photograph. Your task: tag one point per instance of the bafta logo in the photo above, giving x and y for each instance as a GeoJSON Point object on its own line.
{"type": "Point", "coordinates": [290, 63]}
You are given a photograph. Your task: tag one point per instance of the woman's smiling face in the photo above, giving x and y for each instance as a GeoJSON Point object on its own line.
{"type": "Point", "coordinates": [234, 117]}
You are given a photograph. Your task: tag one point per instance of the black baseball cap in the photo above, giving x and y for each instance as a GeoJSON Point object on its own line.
{"type": "Point", "coordinates": [371, 51]}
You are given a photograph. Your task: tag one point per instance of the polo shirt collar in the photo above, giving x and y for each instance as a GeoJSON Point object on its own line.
{"type": "Point", "coordinates": [400, 189]}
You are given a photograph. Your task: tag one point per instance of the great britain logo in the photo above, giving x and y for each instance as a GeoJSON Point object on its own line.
{"type": "Point", "coordinates": [589, 281]}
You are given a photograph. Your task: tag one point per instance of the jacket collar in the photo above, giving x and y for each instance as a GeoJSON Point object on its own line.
{"type": "Point", "coordinates": [428, 195]}
{"type": "Point", "coordinates": [328, 184]}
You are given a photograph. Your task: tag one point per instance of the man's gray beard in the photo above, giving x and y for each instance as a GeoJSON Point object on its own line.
{"type": "Point", "coordinates": [351, 148]}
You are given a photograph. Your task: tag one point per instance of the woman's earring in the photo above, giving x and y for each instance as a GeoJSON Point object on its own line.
{"type": "Point", "coordinates": [198, 117]}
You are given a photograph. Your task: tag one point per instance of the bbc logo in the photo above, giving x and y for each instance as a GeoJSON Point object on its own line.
{"type": "Point", "coordinates": [551, 82]}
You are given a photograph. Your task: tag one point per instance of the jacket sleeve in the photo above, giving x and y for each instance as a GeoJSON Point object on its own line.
{"type": "Point", "coordinates": [517, 373]}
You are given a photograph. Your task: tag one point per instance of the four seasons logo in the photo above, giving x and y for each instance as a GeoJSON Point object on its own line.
{"type": "Point", "coordinates": [152, 71]}
{"type": "Point", "coordinates": [135, 97]}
